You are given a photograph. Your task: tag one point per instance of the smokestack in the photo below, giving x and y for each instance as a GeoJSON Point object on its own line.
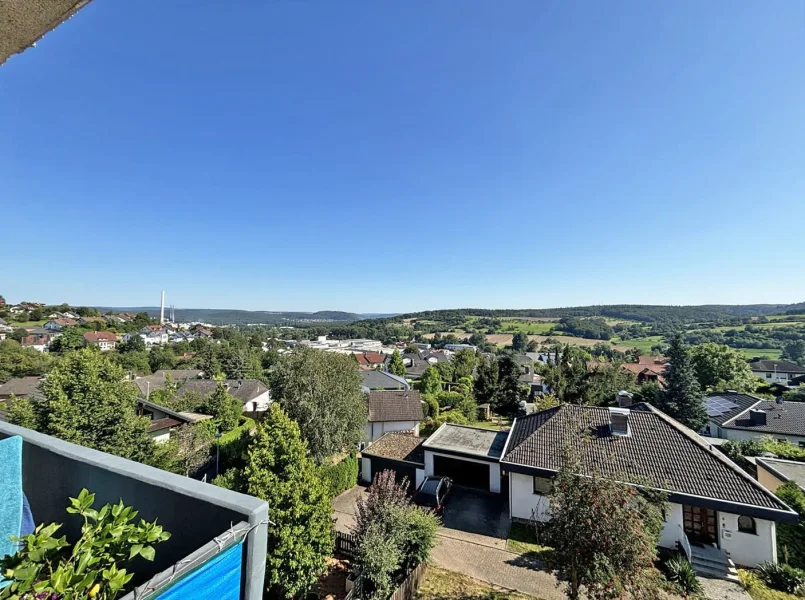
{"type": "Point", "coordinates": [162, 309]}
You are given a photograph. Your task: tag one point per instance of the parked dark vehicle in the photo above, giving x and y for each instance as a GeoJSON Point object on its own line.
{"type": "Point", "coordinates": [434, 492]}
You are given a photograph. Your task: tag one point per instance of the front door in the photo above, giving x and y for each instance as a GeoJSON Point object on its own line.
{"type": "Point", "coordinates": [700, 524]}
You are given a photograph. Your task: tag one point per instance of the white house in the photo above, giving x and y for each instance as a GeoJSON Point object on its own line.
{"type": "Point", "coordinates": [393, 411]}
{"type": "Point", "coordinates": [716, 512]}
{"type": "Point", "coordinates": [253, 393]}
{"type": "Point", "coordinates": [59, 324]}
{"type": "Point", "coordinates": [104, 340]}
{"type": "Point", "coordinates": [163, 420]}
{"type": "Point", "coordinates": [734, 416]}
{"type": "Point", "coordinates": [776, 371]}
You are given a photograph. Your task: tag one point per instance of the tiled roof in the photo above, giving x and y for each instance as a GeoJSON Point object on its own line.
{"type": "Point", "coordinates": [244, 390]}
{"type": "Point", "coordinates": [22, 386]}
{"type": "Point", "coordinates": [93, 337]}
{"type": "Point", "coordinates": [659, 452]}
{"type": "Point", "coordinates": [784, 418]}
{"type": "Point", "coordinates": [741, 401]}
{"type": "Point", "coordinates": [394, 406]}
{"type": "Point", "coordinates": [161, 424]}
{"type": "Point", "coordinates": [380, 380]}
{"type": "Point", "coordinates": [781, 366]}
{"type": "Point", "coordinates": [370, 358]}
{"type": "Point", "coordinates": [399, 446]}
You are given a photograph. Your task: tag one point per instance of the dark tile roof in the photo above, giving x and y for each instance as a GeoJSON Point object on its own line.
{"type": "Point", "coordinates": [782, 366]}
{"type": "Point", "coordinates": [161, 424]}
{"type": "Point", "coordinates": [715, 403]}
{"type": "Point", "coordinates": [659, 452]}
{"type": "Point", "coordinates": [394, 406]}
{"type": "Point", "coordinates": [25, 387]}
{"type": "Point", "coordinates": [380, 380]}
{"type": "Point", "coordinates": [463, 439]}
{"type": "Point", "coordinates": [149, 383]}
{"type": "Point", "coordinates": [784, 418]}
{"type": "Point", "coordinates": [244, 390]}
{"type": "Point", "coordinates": [398, 446]}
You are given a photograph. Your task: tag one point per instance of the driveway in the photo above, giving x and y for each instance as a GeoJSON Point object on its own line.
{"type": "Point", "coordinates": [477, 517]}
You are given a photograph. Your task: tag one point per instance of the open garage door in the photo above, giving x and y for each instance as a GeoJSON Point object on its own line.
{"type": "Point", "coordinates": [462, 472]}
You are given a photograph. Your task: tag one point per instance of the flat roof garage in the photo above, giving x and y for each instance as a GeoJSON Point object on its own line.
{"type": "Point", "coordinates": [470, 456]}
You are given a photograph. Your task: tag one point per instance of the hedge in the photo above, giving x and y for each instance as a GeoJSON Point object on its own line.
{"type": "Point", "coordinates": [341, 476]}
{"type": "Point", "coordinates": [228, 444]}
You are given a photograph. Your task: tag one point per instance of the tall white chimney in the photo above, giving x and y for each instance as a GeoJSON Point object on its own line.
{"type": "Point", "coordinates": [162, 309]}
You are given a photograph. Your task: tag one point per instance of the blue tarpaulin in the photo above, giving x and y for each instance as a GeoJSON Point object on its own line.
{"type": "Point", "coordinates": [217, 579]}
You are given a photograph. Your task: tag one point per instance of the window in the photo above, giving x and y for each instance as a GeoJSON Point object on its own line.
{"type": "Point", "coordinates": [542, 485]}
{"type": "Point", "coordinates": [746, 524]}
{"type": "Point", "coordinates": [768, 375]}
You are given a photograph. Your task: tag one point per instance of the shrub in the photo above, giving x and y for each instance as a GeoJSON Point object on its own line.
{"type": "Point", "coordinates": [784, 578]}
{"type": "Point", "coordinates": [448, 399]}
{"type": "Point", "coordinates": [431, 406]}
{"type": "Point", "coordinates": [49, 567]}
{"type": "Point", "coordinates": [449, 416]}
{"type": "Point", "coordinates": [232, 444]}
{"type": "Point", "coordinates": [341, 476]}
{"type": "Point", "coordinates": [748, 579]}
{"type": "Point", "coordinates": [679, 572]}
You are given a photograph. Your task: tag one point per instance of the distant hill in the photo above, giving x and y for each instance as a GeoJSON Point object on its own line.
{"type": "Point", "coordinates": [223, 316]}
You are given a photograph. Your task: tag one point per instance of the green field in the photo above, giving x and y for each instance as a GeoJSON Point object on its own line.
{"type": "Point", "coordinates": [529, 327]}
{"type": "Point", "coordinates": [770, 353]}
{"type": "Point", "coordinates": [642, 344]}
{"type": "Point", "coordinates": [26, 324]}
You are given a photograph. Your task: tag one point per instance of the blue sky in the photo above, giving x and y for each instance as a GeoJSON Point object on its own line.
{"type": "Point", "coordinates": [376, 156]}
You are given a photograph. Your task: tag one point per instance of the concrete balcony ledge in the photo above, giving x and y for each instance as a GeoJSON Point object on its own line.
{"type": "Point", "coordinates": [195, 513]}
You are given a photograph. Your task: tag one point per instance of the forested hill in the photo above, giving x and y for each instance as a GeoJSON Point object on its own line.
{"type": "Point", "coordinates": [645, 313]}
{"type": "Point", "coordinates": [219, 316]}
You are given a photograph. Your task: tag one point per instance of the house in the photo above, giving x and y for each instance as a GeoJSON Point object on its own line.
{"type": "Point", "coordinates": [381, 380]}
{"type": "Point", "coordinates": [105, 340]}
{"type": "Point", "coordinates": [711, 501]}
{"type": "Point", "coordinates": [38, 341]}
{"type": "Point", "coordinates": [157, 381]}
{"type": "Point", "coordinates": [70, 315]}
{"type": "Point", "coordinates": [776, 371]}
{"type": "Point", "coordinates": [253, 393]}
{"type": "Point", "coordinates": [163, 420]}
{"type": "Point", "coordinates": [734, 416]}
{"type": "Point", "coordinates": [648, 368]}
{"type": "Point", "coordinates": [59, 324]}
{"type": "Point", "coordinates": [370, 360]}
{"type": "Point", "coordinates": [457, 347]}
{"type": "Point", "coordinates": [393, 411]}
{"type": "Point", "coordinates": [399, 452]}
{"type": "Point", "coordinates": [415, 365]}
{"type": "Point", "coordinates": [774, 472]}
{"type": "Point", "coordinates": [21, 387]}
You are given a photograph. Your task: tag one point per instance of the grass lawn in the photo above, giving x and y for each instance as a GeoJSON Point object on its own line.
{"type": "Point", "coordinates": [522, 540]}
{"type": "Point", "coordinates": [642, 344]}
{"type": "Point", "coordinates": [496, 424]}
{"type": "Point", "coordinates": [759, 591]}
{"type": "Point", "coordinates": [530, 327]}
{"type": "Point", "coordinates": [440, 584]}
{"type": "Point", "coordinates": [770, 353]}
{"type": "Point", "coordinates": [26, 324]}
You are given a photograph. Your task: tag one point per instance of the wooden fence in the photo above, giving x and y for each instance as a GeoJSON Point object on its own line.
{"type": "Point", "coordinates": [408, 588]}
{"type": "Point", "coordinates": [346, 544]}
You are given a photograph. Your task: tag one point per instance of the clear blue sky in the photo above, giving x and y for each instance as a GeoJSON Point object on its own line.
{"type": "Point", "coordinates": [380, 156]}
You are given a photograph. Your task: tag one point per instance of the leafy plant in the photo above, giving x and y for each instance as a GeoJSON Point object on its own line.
{"type": "Point", "coordinates": [340, 476]}
{"type": "Point", "coordinates": [679, 572]}
{"type": "Point", "coordinates": [784, 578]}
{"type": "Point", "coordinates": [48, 567]}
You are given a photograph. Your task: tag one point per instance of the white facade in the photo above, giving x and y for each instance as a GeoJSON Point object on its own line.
{"type": "Point", "coordinates": [775, 376]}
{"type": "Point", "coordinates": [374, 431]}
{"type": "Point", "coordinates": [745, 549]}
{"type": "Point", "coordinates": [258, 404]}
{"type": "Point", "coordinates": [494, 467]}
{"type": "Point", "coordinates": [742, 434]}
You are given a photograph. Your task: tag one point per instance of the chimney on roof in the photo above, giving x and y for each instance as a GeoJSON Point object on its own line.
{"type": "Point", "coordinates": [619, 421]}
{"type": "Point", "coordinates": [624, 399]}
{"type": "Point", "coordinates": [779, 400]}
{"type": "Point", "coordinates": [757, 417]}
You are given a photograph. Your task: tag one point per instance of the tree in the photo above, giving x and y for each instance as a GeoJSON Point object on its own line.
{"type": "Point", "coordinates": [134, 344]}
{"type": "Point", "coordinates": [70, 339]}
{"type": "Point", "coordinates": [161, 357]}
{"type": "Point", "coordinates": [431, 381]}
{"type": "Point", "coordinates": [794, 351]}
{"type": "Point", "coordinates": [486, 381]}
{"type": "Point", "coordinates": [396, 364]}
{"type": "Point", "coordinates": [791, 538]}
{"type": "Point", "coordinates": [411, 349]}
{"type": "Point", "coordinates": [89, 402]}
{"type": "Point", "coordinates": [36, 314]}
{"type": "Point", "coordinates": [224, 407]}
{"type": "Point", "coordinates": [16, 361]}
{"type": "Point", "coordinates": [682, 396]}
{"type": "Point", "coordinates": [520, 341]}
{"type": "Point", "coordinates": [719, 367]}
{"type": "Point", "coordinates": [511, 392]}
{"type": "Point", "coordinates": [464, 362]}
{"type": "Point", "coordinates": [21, 412]}
{"type": "Point", "coordinates": [322, 392]}
{"type": "Point", "coordinates": [209, 363]}
{"type": "Point", "coordinates": [135, 362]}
{"type": "Point", "coordinates": [604, 533]}
{"type": "Point", "coordinates": [279, 471]}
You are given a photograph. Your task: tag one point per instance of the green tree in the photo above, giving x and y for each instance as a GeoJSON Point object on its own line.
{"type": "Point", "coordinates": [36, 314]}
{"type": "Point", "coordinates": [604, 533]}
{"type": "Point", "coordinates": [134, 362]}
{"type": "Point", "coordinates": [21, 412]}
{"type": "Point", "coordinates": [71, 338]}
{"type": "Point", "coordinates": [682, 396]}
{"type": "Point", "coordinates": [445, 370]}
{"type": "Point", "coordinates": [161, 357]}
{"type": "Point", "coordinates": [464, 362]}
{"type": "Point", "coordinates": [520, 341]}
{"type": "Point", "coordinates": [719, 367]}
{"type": "Point", "coordinates": [511, 392]}
{"type": "Point", "coordinates": [278, 470]}
{"type": "Point", "coordinates": [396, 364]}
{"type": "Point", "coordinates": [794, 351]}
{"type": "Point", "coordinates": [486, 381]}
{"type": "Point", "coordinates": [89, 402]}
{"type": "Point", "coordinates": [224, 407]}
{"type": "Point", "coordinates": [16, 361]}
{"type": "Point", "coordinates": [134, 344]}
{"type": "Point", "coordinates": [322, 392]}
{"type": "Point", "coordinates": [209, 363]}
{"type": "Point", "coordinates": [791, 538]}
{"type": "Point", "coordinates": [411, 349]}
{"type": "Point", "coordinates": [431, 381]}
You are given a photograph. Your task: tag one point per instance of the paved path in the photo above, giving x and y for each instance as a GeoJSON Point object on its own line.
{"type": "Point", "coordinates": [721, 589]}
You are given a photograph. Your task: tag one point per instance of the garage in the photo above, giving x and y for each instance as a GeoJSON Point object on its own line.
{"type": "Point", "coordinates": [397, 452]}
{"type": "Point", "coordinates": [401, 469]}
{"type": "Point", "coordinates": [462, 472]}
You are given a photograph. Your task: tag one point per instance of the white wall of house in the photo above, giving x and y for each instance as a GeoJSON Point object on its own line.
{"type": "Point", "coordinates": [162, 436]}
{"type": "Point", "coordinates": [672, 529]}
{"type": "Point", "coordinates": [420, 477]}
{"type": "Point", "coordinates": [259, 404]}
{"type": "Point", "coordinates": [775, 377]}
{"type": "Point", "coordinates": [494, 468]}
{"type": "Point", "coordinates": [366, 469]}
{"type": "Point", "coordinates": [747, 549]}
{"type": "Point", "coordinates": [741, 434]}
{"type": "Point", "coordinates": [524, 503]}
{"type": "Point", "coordinates": [374, 431]}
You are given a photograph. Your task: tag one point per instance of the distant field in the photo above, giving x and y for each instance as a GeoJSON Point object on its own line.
{"type": "Point", "coordinates": [770, 353]}
{"type": "Point", "coordinates": [642, 344]}
{"type": "Point", "coordinates": [505, 339]}
{"type": "Point", "coordinates": [527, 326]}
{"type": "Point", "coordinates": [27, 324]}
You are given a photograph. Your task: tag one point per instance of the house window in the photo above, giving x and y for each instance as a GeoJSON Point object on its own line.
{"type": "Point", "coordinates": [542, 485]}
{"type": "Point", "coordinates": [746, 525]}
{"type": "Point", "coordinates": [768, 375]}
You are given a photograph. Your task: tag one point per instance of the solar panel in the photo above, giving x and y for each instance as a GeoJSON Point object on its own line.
{"type": "Point", "coordinates": [717, 405]}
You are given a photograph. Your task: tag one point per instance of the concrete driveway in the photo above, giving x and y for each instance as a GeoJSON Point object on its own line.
{"type": "Point", "coordinates": [478, 517]}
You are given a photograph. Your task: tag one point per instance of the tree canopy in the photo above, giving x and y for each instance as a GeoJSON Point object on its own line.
{"type": "Point", "coordinates": [682, 396]}
{"type": "Point", "coordinates": [719, 367]}
{"type": "Point", "coordinates": [396, 364]}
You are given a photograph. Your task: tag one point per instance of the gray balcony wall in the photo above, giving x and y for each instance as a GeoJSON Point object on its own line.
{"type": "Point", "coordinates": [194, 512]}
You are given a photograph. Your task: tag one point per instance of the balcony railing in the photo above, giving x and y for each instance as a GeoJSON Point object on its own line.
{"type": "Point", "coordinates": [208, 524]}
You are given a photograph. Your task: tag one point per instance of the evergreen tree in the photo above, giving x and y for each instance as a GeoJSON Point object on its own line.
{"type": "Point", "coordinates": [486, 381]}
{"type": "Point", "coordinates": [682, 396]}
{"type": "Point", "coordinates": [510, 391]}
{"type": "Point", "coordinates": [520, 341]}
{"type": "Point", "coordinates": [280, 471]}
{"type": "Point", "coordinates": [396, 364]}
{"type": "Point", "coordinates": [431, 381]}
{"type": "Point", "coordinates": [224, 407]}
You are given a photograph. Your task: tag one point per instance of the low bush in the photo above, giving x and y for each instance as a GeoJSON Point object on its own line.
{"type": "Point", "coordinates": [680, 573]}
{"type": "Point", "coordinates": [448, 416]}
{"type": "Point", "coordinates": [431, 405]}
{"type": "Point", "coordinates": [232, 444]}
{"type": "Point", "coordinates": [784, 578]}
{"type": "Point", "coordinates": [341, 476]}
